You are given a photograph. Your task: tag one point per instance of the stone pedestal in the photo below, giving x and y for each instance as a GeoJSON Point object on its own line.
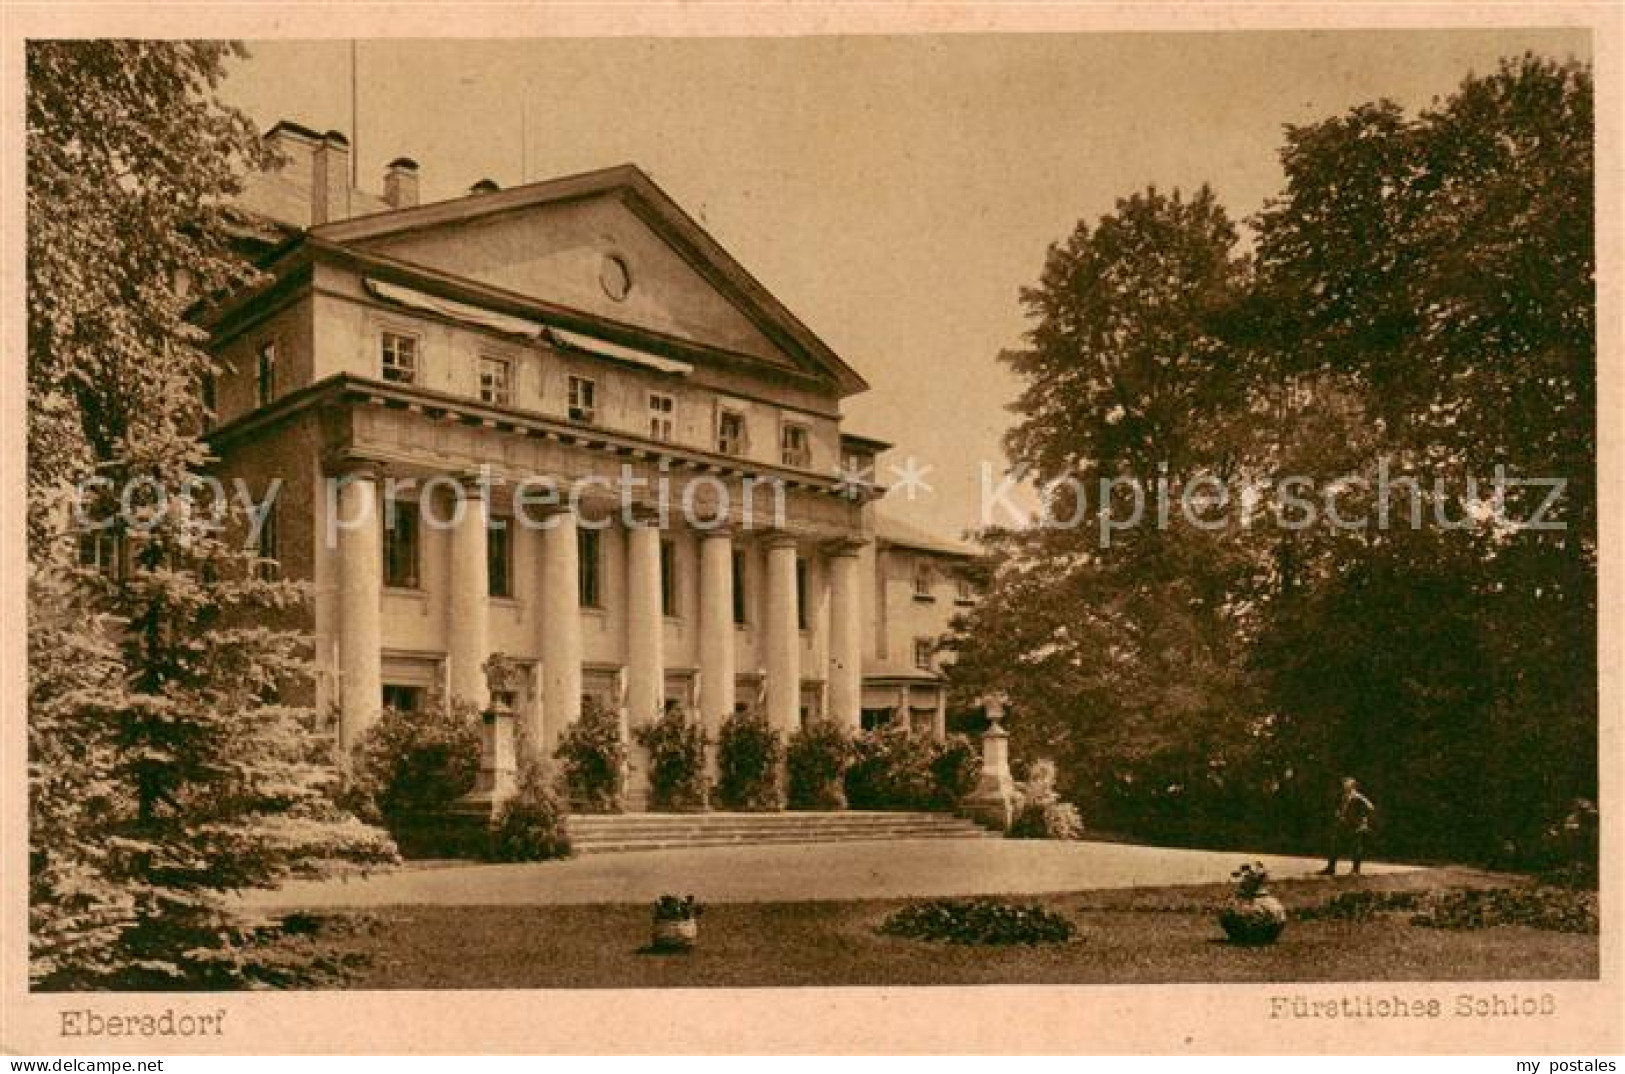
{"type": "Point", "coordinates": [498, 776]}
{"type": "Point", "coordinates": [499, 760]}
{"type": "Point", "coordinates": [994, 799]}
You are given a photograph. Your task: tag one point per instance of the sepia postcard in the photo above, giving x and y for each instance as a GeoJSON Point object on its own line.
{"type": "Point", "coordinates": [896, 528]}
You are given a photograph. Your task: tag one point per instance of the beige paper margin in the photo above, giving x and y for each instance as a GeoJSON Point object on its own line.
{"type": "Point", "coordinates": [1167, 1019]}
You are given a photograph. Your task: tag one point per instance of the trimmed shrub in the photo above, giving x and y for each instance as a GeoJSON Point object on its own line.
{"type": "Point", "coordinates": [955, 770]}
{"type": "Point", "coordinates": [981, 922]}
{"type": "Point", "coordinates": [816, 760]}
{"type": "Point", "coordinates": [1040, 813]}
{"type": "Point", "coordinates": [891, 769]}
{"type": "Point", "coordinates": [533, 824]}
{"type": "Point", "coordinates": [414, 762]}
{"type": "Point", "coordinates": [676, 748]}
{"type": "Point", "coordinates": [594, 760]}
{"type": "Point", "coordinates": [750, 763]}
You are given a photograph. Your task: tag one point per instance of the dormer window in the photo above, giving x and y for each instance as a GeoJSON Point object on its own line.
{"type": "Point", "coordinates": [730, 432]}
{"type": "Point", "coordinates": [795, 446]}
{"type": "Point", "coordinates": [398, 355]}
{"type": "Point", "coordinates": [583, 400]}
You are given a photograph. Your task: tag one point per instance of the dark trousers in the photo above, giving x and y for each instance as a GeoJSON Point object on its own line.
{"type": "Point", "coordinates": [1346, 840]}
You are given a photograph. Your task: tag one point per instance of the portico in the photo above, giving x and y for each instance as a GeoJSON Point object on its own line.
{"type": "Point", "coordinates": [781, 601]}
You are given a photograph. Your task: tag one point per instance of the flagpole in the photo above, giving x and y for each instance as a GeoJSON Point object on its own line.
{"type": "Point", "coordinates": [355, 130]}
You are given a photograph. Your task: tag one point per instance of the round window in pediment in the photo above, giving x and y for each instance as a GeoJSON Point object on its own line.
{"type": "Point", "coordinates": [615, 276]}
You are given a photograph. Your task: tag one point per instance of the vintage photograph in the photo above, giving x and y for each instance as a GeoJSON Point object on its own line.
{"type": "Point", "coordinates": [628, 512]}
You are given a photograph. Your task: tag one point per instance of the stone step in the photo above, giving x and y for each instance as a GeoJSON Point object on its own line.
{"type": "Point", "coordinates": [758, 839]}
{"type": "Point", "coordinates": [597, 833]}
{"type": "Point", "coordinates": [635, 823]}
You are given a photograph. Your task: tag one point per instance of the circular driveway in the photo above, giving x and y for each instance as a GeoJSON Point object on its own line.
{"type": "Point", "coordinates": [806, 872]}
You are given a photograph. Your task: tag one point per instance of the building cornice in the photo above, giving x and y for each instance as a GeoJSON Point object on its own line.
{"type": "Point", "coordinates": [347, 390]}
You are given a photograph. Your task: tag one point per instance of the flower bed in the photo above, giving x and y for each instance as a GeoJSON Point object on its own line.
{"type": "Point", "coordinates": [982, 922]}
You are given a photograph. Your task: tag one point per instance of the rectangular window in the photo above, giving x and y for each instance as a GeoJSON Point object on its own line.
{"type": "Point", "coordinates": [668, 578]}
{"type": "Point", "coordinates": [801, 593]}
{"type": "Point", "coordinates": [662, 416]}
{"type": "Point", "coordinates": [923, 578]}
{"type": "Point", "coordinates": [583, 400]}
{"type": "Point", "coordinates": [269, 566]}
{"type": "Point", "coordinates": [589, 548]}
{"type": "Point", "coordinates": [923, 648]}
{"type": "Point", "coordinates": [400, 358]}
{"type": "Point", "coordinates": [265, 374]}
{"type": "Point", "coordinates": [795, 446]}
{"type": "Point", "coordinates": [403, 698]}
{"type": "Point", "coordinates": [496, 381]}
{"type": "Point", "coordinates": [740, 603]}
{"type": "Point", "coordinates": [499, 557]}
{"type": "Point", "coordinates": [964, 591]}
{"type": "Point", "coordinates": [401, 546]}
{"type": "Point", "coordinates": [730, 432]}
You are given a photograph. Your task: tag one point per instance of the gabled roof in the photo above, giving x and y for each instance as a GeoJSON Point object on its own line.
{"type": "Point", "coordinates": [657, 209]}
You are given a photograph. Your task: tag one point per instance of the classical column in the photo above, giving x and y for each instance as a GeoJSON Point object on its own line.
{"type": "Point", "coordinates": [717, 670]}
{"type": "Point", "coordinates": [560, 622]}
{"type": "Point", "coordinates": [645, 623]}
{"type": "Point", "coordinates": [467, 632]}
{"type": "Point", "coordinates": [781, 637]}
{"type": "Point", "coordinates": [360, 554]}
{"type": "Point", "coordinates": [845, 635]}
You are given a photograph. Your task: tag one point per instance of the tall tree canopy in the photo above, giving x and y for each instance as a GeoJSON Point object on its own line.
{"type": "Point", "coordinates": [165, 773]}
{"type": "Point", "coordinates": [1419, 302]}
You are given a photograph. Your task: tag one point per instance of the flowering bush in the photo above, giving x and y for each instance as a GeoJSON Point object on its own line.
{"type": "Point", "coordinates": [533, 824]}
{"type": "Point", "coordinates": [673, 908]}
{"type": "Point", "coordinates": [414, 762]}
{"type": "Point", "coordinates": [594, 759]}
{"type": "Point", "coordinates": [750, 760]}
{"type": "Point", "coordinates": [1040, 813]}
{"type": "Point", "coordinates": [979, 922]}
{"type": "Point", "coordinates": [1540, 907]}
{"type": "Point", "coordinates": [676, 748]}
{"type": "Point", "coordinates": [817, 759]}
{"type": "Point", "coordinates": [1251, 879]}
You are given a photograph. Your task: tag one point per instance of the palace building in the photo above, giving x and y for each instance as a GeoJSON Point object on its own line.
{"type": "Point", "coordinates": [559, 422]}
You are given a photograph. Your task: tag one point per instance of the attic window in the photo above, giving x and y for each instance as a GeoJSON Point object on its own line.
{"type": "Point", "coordinates": [615, 276]}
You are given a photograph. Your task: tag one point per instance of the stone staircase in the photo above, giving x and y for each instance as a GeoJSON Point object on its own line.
{"type": "Point", "coordinates": [600, 834]}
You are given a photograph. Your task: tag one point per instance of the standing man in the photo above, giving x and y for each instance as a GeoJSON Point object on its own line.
{"type": "Point", "coordinates": [1349, 827]}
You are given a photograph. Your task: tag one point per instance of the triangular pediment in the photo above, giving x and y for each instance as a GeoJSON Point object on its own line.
{"type": "Point", "coordinates": [611, 246]}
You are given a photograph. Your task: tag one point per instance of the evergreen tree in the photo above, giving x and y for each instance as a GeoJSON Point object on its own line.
{"type": "Point", "coordinates": [165, 773]}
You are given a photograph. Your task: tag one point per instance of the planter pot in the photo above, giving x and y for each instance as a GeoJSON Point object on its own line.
{"type": "Point", "coordinates": [1253, 921]}
{"type": "Point", "coordinates": [675, 935]}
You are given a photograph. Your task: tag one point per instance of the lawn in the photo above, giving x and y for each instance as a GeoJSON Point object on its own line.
{"type": "Point", "coordinates": [1126, 936]}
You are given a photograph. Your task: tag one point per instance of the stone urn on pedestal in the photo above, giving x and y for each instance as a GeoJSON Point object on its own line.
{"type": "Point", "coordinates": [1253, 917]}
{"type": "Point", "coordinates": [993, 801]}
{"type": "Point", "coordinates": [498, 754]}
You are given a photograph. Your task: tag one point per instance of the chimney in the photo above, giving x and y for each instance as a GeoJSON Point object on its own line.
{"type": "Point", "coordinates": [330, 179]}
{"type": "Point", "coordinates": [401, 183]}
{"type": "Point", "coordinates": [297, 146]}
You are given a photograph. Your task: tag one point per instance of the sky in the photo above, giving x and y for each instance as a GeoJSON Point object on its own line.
{"type": "Point", "coordinates": [895, 192]}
